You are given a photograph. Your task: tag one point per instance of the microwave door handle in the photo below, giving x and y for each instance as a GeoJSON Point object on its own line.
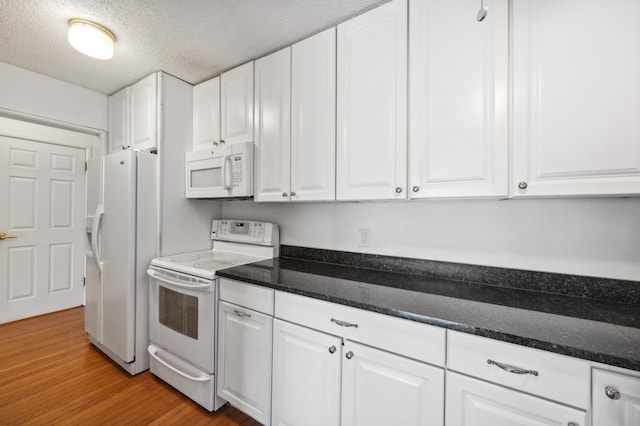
{"type": "Point", "coordinates": [225, 168]}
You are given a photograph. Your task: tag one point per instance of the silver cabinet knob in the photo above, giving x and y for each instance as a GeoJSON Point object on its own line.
{"type": "Point", "coordinates": [332, 350]}
{"type": "Point", "coordinates": [284, 194]}
{"type": "Point", "coordinates": [349, 355]}
{"type": "Point", "coordinates": [572, 424]}
{"type": "Point", "coordinates": [415, 189]}
{"type": "Point", "coordinates": [293, 194]}
{"type": "Point", "coordinates": [611, 392]}
{"type": "Point", "coordinates": [522, 185]}
{"type": "Point", "coordinates": [398, 190]}
{"type": "Point", "coordinates": [215, 143]}
{"type": "Point", "coordinates": [221, 141]}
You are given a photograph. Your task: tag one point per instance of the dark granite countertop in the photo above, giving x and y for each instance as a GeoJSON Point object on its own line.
{"type": "Point", "coordinates": [597, 330]}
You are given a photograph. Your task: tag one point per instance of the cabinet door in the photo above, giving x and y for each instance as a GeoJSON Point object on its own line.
{"type": "Point", "coordinates": [372, 104]}
{"type": "Point", "coordinates": [616, 399]}
{"type": "Point", "coordinates": [576, 85]}
{"type": "Point", "coordinates": [458, 99]}
{"type": "Point", "coordinates": [119, 120]}
{"type": "Point", "coordinates": [313, 118]}
{"type": "Point", "coordinates": [206, 114]}
{"type": "Point", "coordinates": [380, 388]}
{"type": "Point", "coordinates": [143, 112]}
{"type": "Point", "coordinates": [273, 127]}
{"type": "Point", "coordinates": [306, 376]}
{"type": "Point", "coordinates": [236, 104]}
{"type": "Point", "coordinates": [244, 360]}
{"type": "Point", "coordinates": [471, 402]}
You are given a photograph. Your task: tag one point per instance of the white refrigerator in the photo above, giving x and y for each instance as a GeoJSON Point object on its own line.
{"type": "Point", "coordinates": [121, 242]}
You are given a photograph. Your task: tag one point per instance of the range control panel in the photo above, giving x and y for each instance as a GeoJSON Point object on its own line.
{"type": "Point", "coordinates": [245, 231]}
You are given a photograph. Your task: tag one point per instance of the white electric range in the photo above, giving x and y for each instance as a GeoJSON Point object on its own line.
{"type": "Point", "coordinates": [183, 300]}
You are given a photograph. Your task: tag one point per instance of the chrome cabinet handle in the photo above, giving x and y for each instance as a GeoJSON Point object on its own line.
{"type": "Point", "coordinates": [511, 368]}
{"type": "Point", "coordinates": [415, 189]}
{"type": "Point", "coordinates": [349, 355]}
{"type": "Point", "coordinates": [522, 185]}
{"type": "Point", "coordinates": [344, 323]}
{"type": "Point", "coordinates": [284, 194]}
{"type": "Point", "coordinates": [241, 314]}
{"type": "Point", "coordinates": [398, 190]}
{"type": "Point", "coordinates": [332, 350]}
{"type": "Point", "coordinates": [611, 392]}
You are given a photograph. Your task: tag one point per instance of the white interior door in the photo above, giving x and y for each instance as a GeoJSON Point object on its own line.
{"type": "Point", "coordinates": [42, 192]}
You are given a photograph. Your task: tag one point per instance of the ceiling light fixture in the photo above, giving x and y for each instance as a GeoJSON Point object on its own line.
{"type": "Point", "coordinates": [91, 39]}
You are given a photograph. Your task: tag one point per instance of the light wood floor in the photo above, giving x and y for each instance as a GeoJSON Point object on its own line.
{"type": "Point", "coordinates": [51, 374]}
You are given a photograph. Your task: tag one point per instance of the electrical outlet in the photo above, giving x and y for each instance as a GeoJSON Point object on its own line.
{"type": "Point", "coordinates": [364, 237]}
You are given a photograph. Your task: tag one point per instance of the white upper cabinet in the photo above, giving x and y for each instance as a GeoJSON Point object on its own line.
{"type": "Point", "coordinates": [206, 114]}
{"type": "Point", "coordinates": [119, 120]}
{"type": "Point", "coordinates": [576, 88]}
{"type": "Point", "coordinates": [372, 104]}
{"type": "Point", "coordinates": [236, 104]}
{"type": "Point", "coordinates": [133, 119]}
{"type": "Point", "coordinates": [273, 126]}
{"type": "Point", "coordinates": [143, 109]}
{"type": "Point", "coordinates": [313, 118]}
{"type": "Point", "coordinates": [458, 99]}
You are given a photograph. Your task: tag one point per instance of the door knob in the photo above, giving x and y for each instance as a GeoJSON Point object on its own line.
{"type": "Point", "coordinates": [4, 236]}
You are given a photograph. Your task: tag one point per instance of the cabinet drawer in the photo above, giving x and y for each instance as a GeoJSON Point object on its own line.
{"type": "Point", "coordinates": [248, 295]}
{"type": "Point", "coordinates": [559, 377]}
{"type": "Point", "coordinates": [409, 338]}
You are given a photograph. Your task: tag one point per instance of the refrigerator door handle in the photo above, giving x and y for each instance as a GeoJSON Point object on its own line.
{"type": "Point", "coordinates": [97, 228]}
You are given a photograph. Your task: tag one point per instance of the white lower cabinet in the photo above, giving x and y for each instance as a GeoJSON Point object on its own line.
{"type": "Point", "coordinates": [472, 402]}
{"type": "Point", "coordinates": [244, 360]}
{"type": "Point", "coordinates": [306, 376]}
{"type": "Point", "coordinates": [321, 378]}
{"type": "Point", "coordinates": [615, 399]}
{"type": "Point", "coordinates": [381, 388]}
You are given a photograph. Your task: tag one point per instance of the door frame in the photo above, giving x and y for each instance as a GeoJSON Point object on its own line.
{"type": "Point", "coordinates": [41, 129]}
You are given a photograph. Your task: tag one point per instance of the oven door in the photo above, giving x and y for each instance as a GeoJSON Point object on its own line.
{"type": "Point", "coordinates": [182, 316]}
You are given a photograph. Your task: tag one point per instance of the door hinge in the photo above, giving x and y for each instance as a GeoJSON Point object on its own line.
{"type": "Point", "coordinates": [86, 165]}
{"type": "Point", "coordinates": [84, 281]}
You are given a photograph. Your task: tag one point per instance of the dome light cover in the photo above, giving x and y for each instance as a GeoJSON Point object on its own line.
{"type": "Point", "coordinates": [91, 39]}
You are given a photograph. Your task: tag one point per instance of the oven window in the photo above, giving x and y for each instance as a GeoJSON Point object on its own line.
{"type": "Point", "coordinates": [179, 312]}
{"type": "Point", "coordinates": [206, 178]}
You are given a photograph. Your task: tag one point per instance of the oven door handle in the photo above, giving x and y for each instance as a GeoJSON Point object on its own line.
{"type": "Point", "coordinates": [152, 351]}
{"type": "Point", "coordinates": [176, 282]}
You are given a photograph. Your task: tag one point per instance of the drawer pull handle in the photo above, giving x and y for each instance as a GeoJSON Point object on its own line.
{"type": "Point", "coordinates": [344, 323]}
{"type": "Point", "coordinates": [611, 392]}
{"type": "Point", "coordinates": [241, 314]}
{"type": "Point", "coordinates": [512, 369]}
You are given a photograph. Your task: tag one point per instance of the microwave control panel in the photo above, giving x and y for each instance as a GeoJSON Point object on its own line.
{"type": "Point", "coordinates": [236, 170]}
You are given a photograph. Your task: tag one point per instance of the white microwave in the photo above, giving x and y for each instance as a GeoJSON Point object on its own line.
{"type": "Point", "coordinates": [223, 172]}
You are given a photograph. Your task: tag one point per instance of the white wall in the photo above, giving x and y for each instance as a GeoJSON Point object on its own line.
{"type": "Point", "coordinates": [26, 92]}
{"type": "Point", "coordinates": [595, 237]}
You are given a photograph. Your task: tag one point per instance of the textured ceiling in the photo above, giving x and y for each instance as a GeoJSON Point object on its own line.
{"type": "Point", "coordinates": [190, 39]}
